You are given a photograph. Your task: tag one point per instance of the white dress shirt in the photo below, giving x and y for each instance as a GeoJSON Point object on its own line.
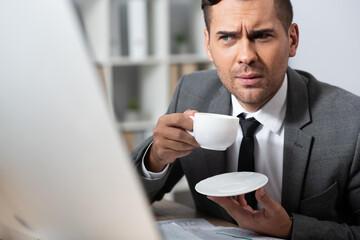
{"type": "Point", "coordinates": [268, 139]}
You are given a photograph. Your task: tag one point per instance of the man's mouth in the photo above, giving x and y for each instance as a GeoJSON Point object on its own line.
{"type": "Point", "coordinates": [249, 79]}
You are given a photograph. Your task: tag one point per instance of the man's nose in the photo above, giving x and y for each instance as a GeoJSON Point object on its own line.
{"type": "Point", "coordinates": [246, 52]}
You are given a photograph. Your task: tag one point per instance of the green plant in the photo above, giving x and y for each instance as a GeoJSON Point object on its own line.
{"type": "Point", "coordinates": [180, 38]}
{"type": "Point", "coordinates": [133, 105]}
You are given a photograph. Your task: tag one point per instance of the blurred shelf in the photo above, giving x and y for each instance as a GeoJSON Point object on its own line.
{"type": "Point", "coordinates": [150, 80]}
{"type": "Point", "coordinates": [172, 59]}
{"type": "Point", "coordinates": [188, 58]}
{"type": "Point", "coordinates": [136, 126]}
{"type": "Point", "coordinates": [126, 61]}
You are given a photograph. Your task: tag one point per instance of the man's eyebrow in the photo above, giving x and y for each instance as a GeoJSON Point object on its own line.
{"type": "Point", "coordinates": [265, 30]}
{"type": "Point", "coordinates": [228, 32]}
{"type": "Point", "coordinates": [252, 32]}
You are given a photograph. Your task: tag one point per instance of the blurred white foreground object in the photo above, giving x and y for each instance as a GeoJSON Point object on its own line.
{"type": "Point", "coordinates": [64, 171]}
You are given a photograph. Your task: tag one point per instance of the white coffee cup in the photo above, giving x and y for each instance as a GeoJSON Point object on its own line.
{"type": "Point", "coordinates": [214, 131]}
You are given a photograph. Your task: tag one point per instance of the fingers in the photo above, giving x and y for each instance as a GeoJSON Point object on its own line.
{"type": "Point", "coordinates": [272, 220]}
{"type": "Point", "coordinates": [171, 130]}
{"type": "Point", "coordinates": [242, 201]}
{"type": "Point", "coordinates": [190, 112]}
{"type": "Point", "coordinates": [229, 203]}
{"type": "Point", "coordinates": [225, 202]}
{"type": "Point", "coordinates": [269, 204]}
{"type": "Point", "coordinates": [176, 120]}
{"type": "Point", "coordinates": [171, 140]}
{"type": "Point", "coordinates": [174, 138]}
{"type": "Point", "coordinates": [241, 213]}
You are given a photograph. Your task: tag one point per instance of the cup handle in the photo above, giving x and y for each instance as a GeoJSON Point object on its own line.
{"type": "Point", "coordinates": [190, 132]}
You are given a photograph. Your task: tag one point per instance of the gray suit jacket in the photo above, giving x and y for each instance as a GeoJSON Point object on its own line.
{"type": "Point", "coordinates": [321, 169]}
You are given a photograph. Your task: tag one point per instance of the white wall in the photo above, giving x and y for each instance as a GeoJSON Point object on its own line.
{"type": "Point", "coordinates": [329, 41]}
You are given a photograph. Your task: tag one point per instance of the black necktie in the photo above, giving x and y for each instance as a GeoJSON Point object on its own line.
{"type": "Point", "coordinates": [246, 154]}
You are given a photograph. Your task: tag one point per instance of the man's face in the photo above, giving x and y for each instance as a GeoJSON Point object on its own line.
{"type": "Point", "coordinates": [250, 49]}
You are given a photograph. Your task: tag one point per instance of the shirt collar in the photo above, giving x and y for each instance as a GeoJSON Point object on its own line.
{"type": "Point", "coordinates": [272, 114]}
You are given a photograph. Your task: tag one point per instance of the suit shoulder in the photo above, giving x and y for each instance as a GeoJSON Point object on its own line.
{"type": "Point", "coordinates": [201, 83]}
{"type": "Point", "coordinates": [199, 90]}
{"type": "Point", "coordinates": [201, 77]}
{"type": "Point", "coordinates": [329, 95]}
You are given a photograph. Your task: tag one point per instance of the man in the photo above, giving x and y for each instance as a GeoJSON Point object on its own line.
{"type": "Point", "coordinates": [307, 142]}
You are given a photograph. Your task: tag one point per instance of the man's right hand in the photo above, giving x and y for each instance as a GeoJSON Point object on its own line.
{"type": "Point", "coordinates": [171, 140]}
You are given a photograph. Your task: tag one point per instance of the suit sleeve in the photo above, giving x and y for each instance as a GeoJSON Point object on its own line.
{"type": "Point", "coordinates": [155, 189]}
{"type": "Point", "coordinates": [305, 227]}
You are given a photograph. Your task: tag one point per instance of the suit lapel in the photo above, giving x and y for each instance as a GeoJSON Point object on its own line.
{"type": "Point", "coordinates": [297, 143]}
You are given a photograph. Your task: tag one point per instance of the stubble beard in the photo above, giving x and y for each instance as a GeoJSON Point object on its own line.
{"type": "Point", "coordinates": [249, 95]}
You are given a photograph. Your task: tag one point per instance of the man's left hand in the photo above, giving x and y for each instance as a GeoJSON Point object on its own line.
{"type": "Point", "coordinates": [271, 220]}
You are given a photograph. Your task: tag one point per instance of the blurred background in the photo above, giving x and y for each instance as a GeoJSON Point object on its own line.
{"type": "Point", "coordinates": [142, 47]}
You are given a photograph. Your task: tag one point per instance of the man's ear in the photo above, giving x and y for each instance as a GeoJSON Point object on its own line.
{"type": "Point", "coordinates": [293, 39]}
{"type": "Point", "coordinates": [207, 45]}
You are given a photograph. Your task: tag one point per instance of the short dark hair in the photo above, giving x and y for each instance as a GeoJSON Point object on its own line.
{"type": "Point", "coordinates": [283, 9]}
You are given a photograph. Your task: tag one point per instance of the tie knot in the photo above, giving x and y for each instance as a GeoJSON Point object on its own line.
{"type": "Point", "coordinates": [248, 125]}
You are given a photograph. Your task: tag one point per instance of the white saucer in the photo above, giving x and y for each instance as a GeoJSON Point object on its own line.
{"type": "Point", "coordinates": [231, 184]}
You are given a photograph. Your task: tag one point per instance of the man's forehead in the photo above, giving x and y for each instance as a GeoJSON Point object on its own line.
{"type": "Point", "coordinates": [243, 7]}
{"type": "Point", "coordinates": [256, 12]}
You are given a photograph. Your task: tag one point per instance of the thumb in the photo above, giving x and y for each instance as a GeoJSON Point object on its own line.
{"type": "Point", "coordinates": [265, 200]}
{"type": "Point", "coordinates": [190, 112]}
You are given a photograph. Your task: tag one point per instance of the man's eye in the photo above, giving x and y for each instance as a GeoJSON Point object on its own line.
{"type": "Point", "coordinates": [261, 36]}
{"type": "Point", "coordinates": [225, 38]}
